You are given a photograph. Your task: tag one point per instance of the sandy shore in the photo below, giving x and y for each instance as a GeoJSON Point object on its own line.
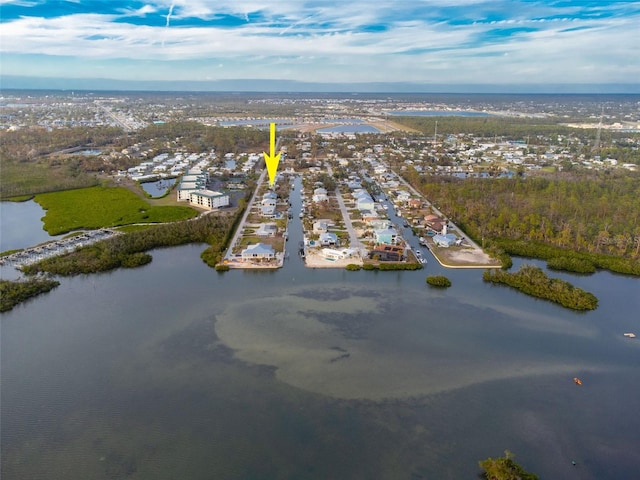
{"type": "Point", "coordinates": [467, 257]}
{"type": "Point", "coordinates": [315, 259]}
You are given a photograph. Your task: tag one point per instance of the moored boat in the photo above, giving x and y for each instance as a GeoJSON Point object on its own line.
{"type": "Point", "coordinates": [577, 380]}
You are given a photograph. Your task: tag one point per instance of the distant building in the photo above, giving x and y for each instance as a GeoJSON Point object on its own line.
{"type": "Point", "coordinates": [208, 199]}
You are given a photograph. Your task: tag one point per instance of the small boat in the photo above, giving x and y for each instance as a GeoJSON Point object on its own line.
{"type": "Point", "coordinates": [630, 335]}
{"type": "Point", "coordinates": [577, 381]}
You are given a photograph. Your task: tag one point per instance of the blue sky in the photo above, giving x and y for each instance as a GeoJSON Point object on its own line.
{"type": "Point", "coordinates": [326, 41]}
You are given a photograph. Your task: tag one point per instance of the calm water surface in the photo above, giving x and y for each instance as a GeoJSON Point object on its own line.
{"type": "Point", "coordinates": [157, 188]}
{"type": "Point", "coordinates": [21, 225]}
{"type": "Point", "coordinates": [349, 129]}
{"type": "Point", "coordinates": [175, 371]}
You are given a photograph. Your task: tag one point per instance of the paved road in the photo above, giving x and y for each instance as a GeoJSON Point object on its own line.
{"type": "Point", "coordinates": [240, 228]}
{"type": "Point", "coordinates": [354, 242]}
{"type": "Point", "coordinates": [438, 212]}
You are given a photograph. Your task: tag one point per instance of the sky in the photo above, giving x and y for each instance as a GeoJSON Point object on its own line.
{"type": "Point", "coordinates": [421, 42]}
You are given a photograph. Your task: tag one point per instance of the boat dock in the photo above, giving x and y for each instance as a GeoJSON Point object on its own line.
{"type": "Point", "coordinates": [31, 255]}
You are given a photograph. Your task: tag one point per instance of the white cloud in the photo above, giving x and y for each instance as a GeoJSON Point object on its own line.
{"type": "Point", "coordinates": [318, 43]}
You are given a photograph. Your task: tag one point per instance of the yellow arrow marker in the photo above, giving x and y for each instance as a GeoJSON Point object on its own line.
{"type": "Point", "coordinates": [272, 160]}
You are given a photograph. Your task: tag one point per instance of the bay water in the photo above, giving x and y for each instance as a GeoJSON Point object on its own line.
{"type": "Point", "coordinates": [173, 370]}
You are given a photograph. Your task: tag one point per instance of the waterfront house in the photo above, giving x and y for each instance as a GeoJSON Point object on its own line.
{"type": "Point", "coordinates": [387, 253]}
{"type": "Point", "coordinates": [446, 240]}
{"type": "Point", "coordinates": [365, 203]}
{"type": "Point", "coordinates": [368, 216]}
{"type": "Point", "coordinates": [403, 196]}
{"type": "Point", "coordinates": [328, 239]}
{"type": "Point", "coordinates": [258, 251]}
{"type": "Point", "coordinates": [270, 195]}
{"type": "Point", "coordinates": [387, 236]}
{"type": "Point", "coordinates": [380, 224]}
{"type": "Point", "coordinates": [268, 211]}
{"type": "Point", "coordinates": [319, 195]}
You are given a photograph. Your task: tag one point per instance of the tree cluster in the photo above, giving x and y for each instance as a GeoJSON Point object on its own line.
{"type": "Point", "coordinates": [438, 281]}
{"type": "Point", "coordinates": [199, 138]}
{"type": "Point", "coordinates": [128, 250]}
{"type": "Point", "coordinates": [504, 468]}
{"type": "Point", "coordinates": [14, 292]}
{"type": "Point", "coordinates": [596, 214]}
{"type": "Point", "coordinates": [533, 281]}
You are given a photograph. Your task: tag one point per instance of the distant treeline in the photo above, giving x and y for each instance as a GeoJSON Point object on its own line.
{"type": "Point", "coordinates": [197, 138]}
{"type": "Point", "coordinates": [598, 214]}
{"type": "Point", "coordinates": [489, 126]}
{"type": "Point", "coordinates": [29, 168]}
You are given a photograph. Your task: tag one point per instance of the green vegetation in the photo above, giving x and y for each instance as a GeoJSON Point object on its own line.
{"type": "Point", "coordinates": [196, 137]}
{"type": "Point", "coordinates": [508, 128]}
{"type": "Point", "coordinates": [35, 160]}
{"type": "Point", "coordinates": [438, 281]}
{"type": "Point", "coordinates": [353, 267]}
{"type": "Point", "coordinates": [573, 261]}
{"type": "Point", "coordinates": [575, 265]}
{"type": "Point", "coordinates": [127, 250]}
{"type": "Point", "coordinates": [221, 267]}
{"type": "Point", "coordinates": [543, 217]}
{"type": "Point", "coordinates": [389, 266]}
{"type": "Point", "coordinates": [14, 292]}
{"type": "Point", "coordinates": [533, 281]}
{"type": "Point", "coordinates": [504, 468]}
{"type": "Point", "coordinates": [99, 207]}
{"type": "Point", "coordinates": [28, 166]}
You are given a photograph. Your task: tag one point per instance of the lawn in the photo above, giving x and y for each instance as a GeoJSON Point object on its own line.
{"type": "Point", "coordinates": [99, 207]}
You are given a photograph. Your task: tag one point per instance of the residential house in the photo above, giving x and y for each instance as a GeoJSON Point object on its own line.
{"type": "Point", "coordinates": [319, 195]}
{"type": "Point", "coordinates": [322, 226]}
{"type": "Point", "coordinates": [445, 240]}
{"type": "Point", "coordinates": [368, 216]}
{"type": "Point", "coordinates": [388, 236]}
{"type": "Point", "coordinates": [387, 253]}
{"type": "Point", "coordinates": [268, 211]}
{"type": "Point", "coordinates": [414, 203]}
{"type": "Point", "coordinates": [435, 223]}
{"type": "Point", "coordinates": [380, 224]}
{"type": "Point", "coordinates": [328, 239]}
{"type": "Point", "coordinates": [403, 196]}
{"type": "Point", "coordinates": [365, 203]}
{"type": "Point", "coordinates": [258, 251]}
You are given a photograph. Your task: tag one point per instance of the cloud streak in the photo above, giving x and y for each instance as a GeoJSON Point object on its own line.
{"type": "Point", "coordinates": [454, 41]}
